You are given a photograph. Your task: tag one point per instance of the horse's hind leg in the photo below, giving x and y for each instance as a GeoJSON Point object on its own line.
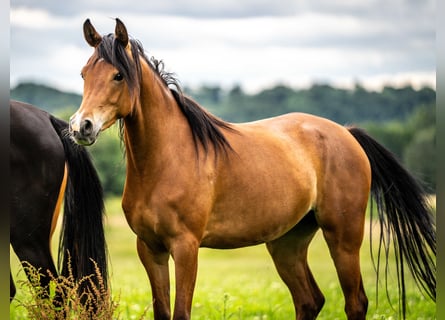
{"type": "Point", "coordinates": [289, 254]}
{"type": "Point", "coordinates": [38, 256]}
{"type": "Point", "coordinates": [343, 232]}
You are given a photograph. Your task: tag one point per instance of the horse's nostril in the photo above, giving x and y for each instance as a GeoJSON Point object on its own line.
{"type": "Point", "coordinates": [86, 127]}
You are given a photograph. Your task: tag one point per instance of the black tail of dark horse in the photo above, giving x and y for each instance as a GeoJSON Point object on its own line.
{"type": "Point", "coordinates": [404, 215]}
{"type": "Point", "coordinates": [82, 239]}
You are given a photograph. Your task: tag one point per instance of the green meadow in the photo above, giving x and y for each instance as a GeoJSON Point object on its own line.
{"type": "Point", "coordinates": [237, 284]}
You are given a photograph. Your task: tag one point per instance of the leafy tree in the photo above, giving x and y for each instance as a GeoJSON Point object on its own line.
{"type": "Point", "coordinates": [420, 156]}
{"type": "Point", "coordinates": [412, 141]}
{"type": "Point", "coordinates": [109, 161]}
{"type": "Point", "coordinates": [45, 97]}
{"type": "Point", "coordinates": [394, 135]}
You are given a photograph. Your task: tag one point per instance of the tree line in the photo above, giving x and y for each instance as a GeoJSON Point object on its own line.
{"type": "Point", "coordinates": [402, 119]}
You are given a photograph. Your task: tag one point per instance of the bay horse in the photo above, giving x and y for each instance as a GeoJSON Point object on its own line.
{"type": "Point", "coordinates": [48, 168]}
{"type": "Point", "coordinates": [194, 180]}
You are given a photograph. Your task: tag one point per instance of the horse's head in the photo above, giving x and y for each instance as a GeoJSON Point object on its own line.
{"type": "Point", "coordinates": [110, 79]}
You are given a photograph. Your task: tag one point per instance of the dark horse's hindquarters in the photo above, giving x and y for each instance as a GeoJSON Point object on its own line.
{"type": "Point", "coordinates": [40, 149]}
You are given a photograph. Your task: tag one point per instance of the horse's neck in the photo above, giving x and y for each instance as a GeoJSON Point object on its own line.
{"type": "Point", "coordinates": [156, 127]}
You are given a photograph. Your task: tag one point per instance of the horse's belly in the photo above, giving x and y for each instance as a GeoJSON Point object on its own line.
{"type": "Point", "coordinates": [234, 235]}
{"type": "Point", "coordinates": [254, 224]}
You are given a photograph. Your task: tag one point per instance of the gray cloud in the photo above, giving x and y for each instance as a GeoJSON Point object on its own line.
{"type": "Point", "coordinates": [229, 41]}
{"type": "Point", "coordinates": [383, 9]}
{"type": "Point", "coordinates": [189, 8]}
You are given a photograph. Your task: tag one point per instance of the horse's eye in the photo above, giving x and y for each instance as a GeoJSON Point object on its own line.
{"type": "Point", "coordinates": [118, 77]}
{"type": "Point", "coordinates": [81, 74]}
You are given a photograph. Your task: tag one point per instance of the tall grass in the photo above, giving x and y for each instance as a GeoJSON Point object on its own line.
{"type": "Point", "coordinates": [93, 303]}
{"type": "Point", "coordinates": [242, 283]}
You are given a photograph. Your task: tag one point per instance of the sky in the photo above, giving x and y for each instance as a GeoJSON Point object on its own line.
{"type": "Point", "coordinates": [252, 43]}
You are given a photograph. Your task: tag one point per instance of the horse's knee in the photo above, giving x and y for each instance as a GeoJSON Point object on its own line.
{"type": "Point", "coordinates": [307, 312]}
{"type": "Point", "coordinates": [356, 315]}
{"type": "Point", "coordinates": [310, 310]}
{"type": "Point", "coordinates": [320, 300]}
{"type": "Point", "coordinates": [358, 310]}
{"type": "Point", "coordinates": [162, 316]}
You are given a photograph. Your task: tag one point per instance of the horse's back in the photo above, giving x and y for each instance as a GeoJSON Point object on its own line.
{"type": "Point", "coordinates": [312, 142]}
{"type": "Point", "coordinates": [31, 126]}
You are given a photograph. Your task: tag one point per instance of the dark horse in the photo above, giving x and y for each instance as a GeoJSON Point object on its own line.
{"type": "Point", "coordinates": [47, 167]}
{"type": "Point", "coordinates": [194, 180]}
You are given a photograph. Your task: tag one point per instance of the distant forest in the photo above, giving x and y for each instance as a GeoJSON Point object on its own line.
{"type": "Point", "coordinates": [403, 119]}
{"type": "Point", "coordinates": [234, 105]}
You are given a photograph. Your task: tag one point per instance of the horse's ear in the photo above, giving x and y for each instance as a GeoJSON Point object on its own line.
{"type": "Point", "coordinates": [120, 32]}
{"type": "Point", "coordinates": [91, 35]}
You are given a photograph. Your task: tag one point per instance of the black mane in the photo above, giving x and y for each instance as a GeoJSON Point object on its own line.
{"type": "Point", "coordinates": [205, 127]}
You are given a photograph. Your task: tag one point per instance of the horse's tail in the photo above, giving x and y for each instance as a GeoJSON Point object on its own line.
{"type": "Point", "coordinates": [82, 239]}
{"type": "Point", "coordinates": [408, 219]}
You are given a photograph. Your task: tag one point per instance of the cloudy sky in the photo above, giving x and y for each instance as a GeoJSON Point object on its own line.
{"type": "Point", "coordinates": [253, 43]}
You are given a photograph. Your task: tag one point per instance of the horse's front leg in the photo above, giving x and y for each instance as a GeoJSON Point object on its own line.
{"type": "Point", "coordinates": [156, 265]}
{"type": "Point", "coordinates": [185, 254]}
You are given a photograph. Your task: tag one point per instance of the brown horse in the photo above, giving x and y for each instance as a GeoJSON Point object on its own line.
{"type": "Point", "coordinates": [194, 181]}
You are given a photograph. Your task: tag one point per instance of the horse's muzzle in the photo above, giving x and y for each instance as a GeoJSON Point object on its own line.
{"type": "Point", "coordinates": [84, 133]}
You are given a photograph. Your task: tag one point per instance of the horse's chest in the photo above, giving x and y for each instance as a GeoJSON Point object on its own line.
{"type": "Point", "coordinates": [140, 219]}
{"type": "Point", "coordinates": [158, 218]}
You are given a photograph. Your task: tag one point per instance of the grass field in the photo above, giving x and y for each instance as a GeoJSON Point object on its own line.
{"type": "Point", "coordinates": [237, 284]}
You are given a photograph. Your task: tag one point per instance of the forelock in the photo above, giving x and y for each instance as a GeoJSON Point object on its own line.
{"type": "Point", "coordinates": [113, 52]}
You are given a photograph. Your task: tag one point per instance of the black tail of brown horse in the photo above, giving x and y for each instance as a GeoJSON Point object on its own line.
{"type": "Point", "coordinates": [404, 216]}
{"type": "Point", "coordinates": [82, 239]}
